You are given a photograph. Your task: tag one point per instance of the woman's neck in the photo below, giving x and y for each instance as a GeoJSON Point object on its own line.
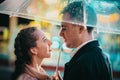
{"type": "Point", "coordinates": [36, 63]}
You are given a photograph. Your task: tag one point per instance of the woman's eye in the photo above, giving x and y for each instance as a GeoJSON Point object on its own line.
{"type": "Point", "coordinates": [44, 39]}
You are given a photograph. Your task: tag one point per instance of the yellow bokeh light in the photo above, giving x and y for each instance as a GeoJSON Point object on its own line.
{"type": "Point", "coordinates": [45, 24]}
{"type": "Point", "coordinates": [108, 18]}
{"type": "Point", "coordinates": [35, 23]}
{"type": "Point", "coordinates": [114, 17]}
{"type": "Point", "coordinates": [5, 34]}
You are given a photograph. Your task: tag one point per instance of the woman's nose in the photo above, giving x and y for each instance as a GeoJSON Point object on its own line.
{"type": "Point", "coordinates": [49, 42]}
{"type": "Point", "coordinates": [61, 33]}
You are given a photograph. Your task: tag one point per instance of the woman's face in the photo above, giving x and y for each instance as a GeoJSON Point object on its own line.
{"type": "Point", "coordinates": [43, 46]}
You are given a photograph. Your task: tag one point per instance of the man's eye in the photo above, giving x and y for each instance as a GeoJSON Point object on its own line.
{"type": "Point", "coordinates": [63, 28]}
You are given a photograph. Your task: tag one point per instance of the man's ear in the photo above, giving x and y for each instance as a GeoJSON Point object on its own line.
{"type": "Point", "coordinates": [81, 28]}
{"type": "Point", "coordinates": [33, 51]}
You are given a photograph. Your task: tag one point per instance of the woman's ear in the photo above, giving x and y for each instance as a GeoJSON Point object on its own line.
{"type": "Point", "coordinates": [33, 51]}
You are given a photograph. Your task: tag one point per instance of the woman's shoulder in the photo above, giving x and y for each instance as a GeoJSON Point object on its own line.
{"type": "Point", "coordinates": [26, 76]}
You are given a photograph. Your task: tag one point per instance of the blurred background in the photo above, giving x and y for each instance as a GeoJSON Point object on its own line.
{"type": "Point", "coordinates": [15, 14]}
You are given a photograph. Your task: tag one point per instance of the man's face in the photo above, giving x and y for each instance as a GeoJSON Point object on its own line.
{"type": "Point", "coordinates": [69, 32]}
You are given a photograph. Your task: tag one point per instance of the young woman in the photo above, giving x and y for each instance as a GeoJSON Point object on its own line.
{"type": "Point", "coordinates": [31, 47]}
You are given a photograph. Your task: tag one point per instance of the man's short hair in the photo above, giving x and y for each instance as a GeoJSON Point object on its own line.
{"type": "Point", "coordinates": [76, 11]}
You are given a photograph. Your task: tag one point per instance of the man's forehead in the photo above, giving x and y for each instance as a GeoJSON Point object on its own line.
{"type": "Point", "coordinates": [67, 19]}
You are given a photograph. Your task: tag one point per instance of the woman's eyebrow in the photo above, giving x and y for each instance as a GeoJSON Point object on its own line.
{"type": "Point", "coordinates": [43, 38]}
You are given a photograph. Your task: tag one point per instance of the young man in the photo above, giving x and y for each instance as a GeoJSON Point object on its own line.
{"type": "Point", "coordinates": [88, 62]}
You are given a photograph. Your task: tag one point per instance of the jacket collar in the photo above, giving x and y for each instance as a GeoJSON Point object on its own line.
{"type": "Point", "coordinates": [79, 47]}
{"type": "Point", "coordinates": [82, 50]}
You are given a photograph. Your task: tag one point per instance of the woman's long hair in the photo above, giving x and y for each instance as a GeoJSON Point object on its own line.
{"type": "Point", "coordinates": [25, 39]}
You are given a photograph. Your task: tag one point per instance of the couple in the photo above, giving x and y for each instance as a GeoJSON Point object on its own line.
{"type": "Point", "coordinates": [88, 62]}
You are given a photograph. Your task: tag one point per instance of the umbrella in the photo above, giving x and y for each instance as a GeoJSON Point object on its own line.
{"type": "Point", "coordinates": [107, 11]}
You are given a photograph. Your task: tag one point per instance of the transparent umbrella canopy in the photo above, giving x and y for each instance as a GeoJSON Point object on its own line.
{"type": "Point", "coordinates": [107, 11]}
